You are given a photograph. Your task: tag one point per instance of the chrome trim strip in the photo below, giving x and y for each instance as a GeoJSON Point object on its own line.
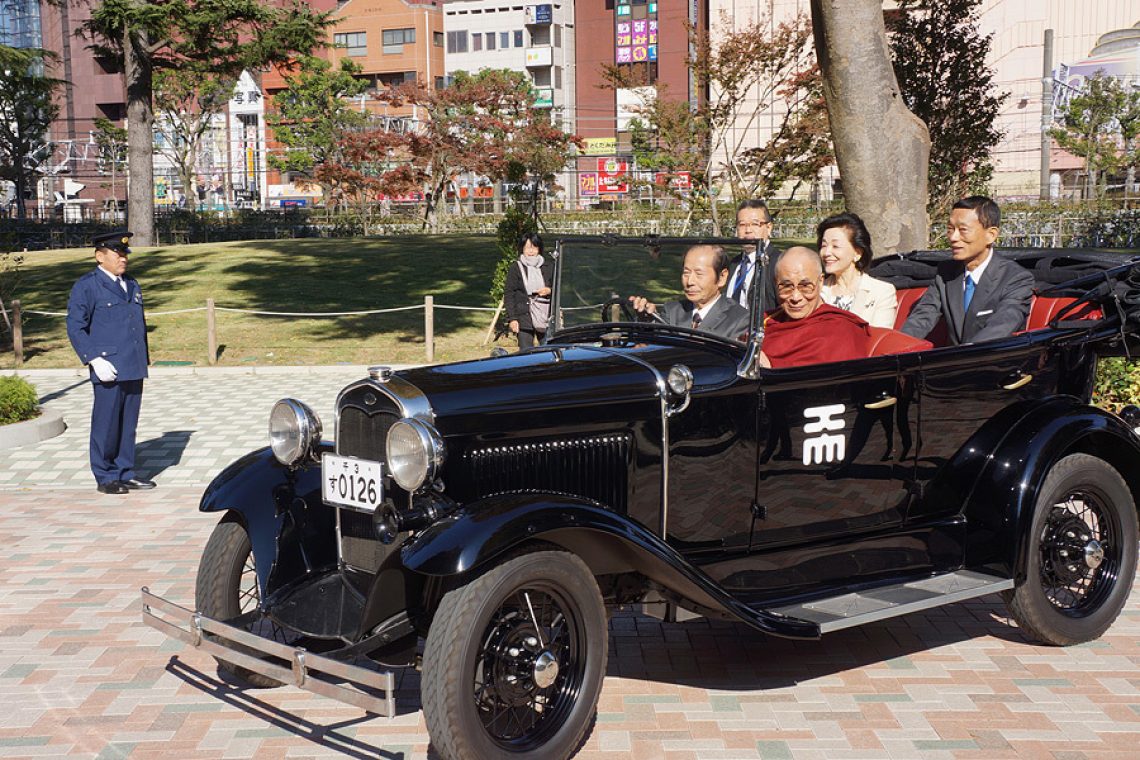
{"type": "Point", "coordinates": [411, 401]}
{"type": "Point", "coordinates": [229, 643]}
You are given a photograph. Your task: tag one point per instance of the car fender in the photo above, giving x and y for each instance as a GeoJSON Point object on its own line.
{"type": "Point", "coordinates": [282, 511]}
{"type": "Point", "coordinates": [999, 509]}
{"type": "Point", "coordinates": [608, 542]}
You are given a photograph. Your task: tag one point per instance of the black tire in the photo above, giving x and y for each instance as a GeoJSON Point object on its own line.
{"type": "Point", "coordinates": [227, 587]}
{"type": "Point", "coordinates": [1081, 557]}
{"type": "Point", "coordinates": [482, 687]}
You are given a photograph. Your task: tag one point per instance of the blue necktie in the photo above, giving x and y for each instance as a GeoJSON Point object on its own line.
{"type": "Point", "coordinates": [741, 274]}
{"type": "Point", "coordinates": [968, 295]}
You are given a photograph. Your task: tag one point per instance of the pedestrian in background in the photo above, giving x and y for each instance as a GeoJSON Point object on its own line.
{"type": "Point", "coordinates": [527, 291]}
{"type": "Point", "coordinates": [107, 329]}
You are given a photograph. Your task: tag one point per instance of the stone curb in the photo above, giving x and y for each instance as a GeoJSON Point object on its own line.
{"type": "Point", "coordinates": [48, 425]}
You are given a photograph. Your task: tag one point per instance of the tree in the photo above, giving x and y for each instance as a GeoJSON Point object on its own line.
{"type": "Point", "coordinates": [882, 148]}
{"type": "Point", "coordinates": [745, 72]}
{"type": "Point", "coordinates": [1129, 121]}
{"type": "Point", "coordinates": [311, 117]}
{"type": "Point", "coordinates": [537, 153]}
{"type": "Point", "coordinates": [111, 141]}
{"type": "Point", "coordinates": [26, 112]}
{"type": "Point", "coordinates": [939, 60]}
{"type": "Point", "coordinates": [225, 36]}
{"type": "Point", "coordinates": [470, 126]}
{"type": "Point", "coordinates": [1091, 129]}
{"type": "Point", "coordinates": [187, 100]}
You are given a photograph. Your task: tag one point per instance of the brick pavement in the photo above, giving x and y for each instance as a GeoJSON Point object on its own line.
{"type": "Point", "coordinates": [80, 676]}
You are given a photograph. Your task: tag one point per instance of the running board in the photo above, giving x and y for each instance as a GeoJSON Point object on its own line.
{"type": "Point", "coordinates": [848, 610]}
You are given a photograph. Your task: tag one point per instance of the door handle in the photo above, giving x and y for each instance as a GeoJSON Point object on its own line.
{"type": "Point", "coordinates": [882, 403]}
{"type": "Point", "coordinates": [1022, 379]}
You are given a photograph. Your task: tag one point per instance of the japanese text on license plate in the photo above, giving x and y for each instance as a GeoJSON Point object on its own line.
{"type": "Point", "coordinates": [352, 482]}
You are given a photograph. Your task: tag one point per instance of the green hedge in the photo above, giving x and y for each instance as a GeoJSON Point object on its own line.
{"type": "Point", "coordinates": [17, 400]}
{"type": "Point", "coordinates": [1117, 383]}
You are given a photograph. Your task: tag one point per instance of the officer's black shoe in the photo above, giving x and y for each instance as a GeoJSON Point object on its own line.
{"type": "Point", "coordinates": [114, 486]}
{"type": "Point", "coordinates": [139, 484]}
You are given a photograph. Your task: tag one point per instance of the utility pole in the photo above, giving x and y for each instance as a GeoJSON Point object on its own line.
{"type": "Point", "coordinates": [1046, 113]}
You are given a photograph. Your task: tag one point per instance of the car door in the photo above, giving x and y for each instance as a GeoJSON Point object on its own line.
{"type": "Point", "coordinates": [832, 462]}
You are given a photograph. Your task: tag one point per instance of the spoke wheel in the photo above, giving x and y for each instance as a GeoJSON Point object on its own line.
{"type": "Point", "coordinates": [514, 660]}
{"type": "Point", "coordinates": [226, 588]}
{"type": "Point", "coordinates": [1082, 554]}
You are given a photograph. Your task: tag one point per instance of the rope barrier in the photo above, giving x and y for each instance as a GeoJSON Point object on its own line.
{"type": "Point", "coordinates": [283, 313]}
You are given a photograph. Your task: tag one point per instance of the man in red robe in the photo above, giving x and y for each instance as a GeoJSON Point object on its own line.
{"type": "Point", "coordinates": [805, 330]}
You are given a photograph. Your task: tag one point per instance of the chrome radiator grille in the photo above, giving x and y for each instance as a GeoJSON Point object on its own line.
{"type": "Point", "coordinates": [593, 467]}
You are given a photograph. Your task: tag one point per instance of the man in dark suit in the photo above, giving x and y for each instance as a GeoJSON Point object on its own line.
{"type": "Point", "coordinates": [703, 308]}
{"type": "Point", "coordinates": [107, 329]}
{"type": "Point", "coordinates": [753, 222]}
{"type": "Point", "coordinates": [979, 294]}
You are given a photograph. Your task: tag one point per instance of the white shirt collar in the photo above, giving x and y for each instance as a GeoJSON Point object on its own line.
{"type": "Point", "coordinates": [976, 275]}
{"type": "Point", "coordinates": [708, 306]}
{"type": "Point", "coordinates": [114, 277]}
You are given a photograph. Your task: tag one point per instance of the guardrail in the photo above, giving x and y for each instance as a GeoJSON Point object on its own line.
{"type": "Point", "coordinates": [211, 309]}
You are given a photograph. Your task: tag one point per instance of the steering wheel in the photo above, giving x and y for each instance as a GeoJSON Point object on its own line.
{"type": "Point", "coordinates": [624, 309]}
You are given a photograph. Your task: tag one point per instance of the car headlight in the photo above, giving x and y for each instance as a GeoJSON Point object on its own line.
{"type": "Point", "coordinates": [294, 431]}
{"type": "Point", "coordinates": [415, 453]}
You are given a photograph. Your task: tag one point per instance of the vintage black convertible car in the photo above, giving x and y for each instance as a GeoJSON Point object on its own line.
{"type": "Point", "coordinates": [478, 519]}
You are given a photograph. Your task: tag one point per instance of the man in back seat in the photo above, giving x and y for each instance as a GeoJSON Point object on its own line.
{"type": "Point", "coordinates": [981, 295]}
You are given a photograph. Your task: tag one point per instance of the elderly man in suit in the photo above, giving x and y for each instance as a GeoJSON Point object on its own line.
{"type": "Point", "coordinates": [704, 274]}
{"type": "Point", "coordinates": [107, 329]}
{"type": "Point", "coordinates": [979, 294]}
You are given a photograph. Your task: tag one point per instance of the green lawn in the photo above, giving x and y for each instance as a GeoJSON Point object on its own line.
{"type": "Point", "coordinates": [285, 276]}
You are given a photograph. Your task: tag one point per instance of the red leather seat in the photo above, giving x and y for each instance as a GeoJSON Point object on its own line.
{"type": "Point", "coordinates": [908, 297]}
{"type": "Point", "coordinates": [887, 341]}
{"type": "Point", "coordinates": [1045, 309]}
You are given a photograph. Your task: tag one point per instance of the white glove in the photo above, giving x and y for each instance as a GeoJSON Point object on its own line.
{"type": "Point", "coordinates": [104, 370]}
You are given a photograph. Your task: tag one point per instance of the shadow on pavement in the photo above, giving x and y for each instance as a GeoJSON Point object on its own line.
{"type": "Point", "coordinates": [330, 736]}
{"type": "Point", "coordinates": [63, 391]}
{"type": "Point", "coordinates": [156, 454]}
{"type": "Point", "coordinates": [729, 656]}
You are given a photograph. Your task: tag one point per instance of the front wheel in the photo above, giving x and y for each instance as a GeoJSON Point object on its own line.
{"type": "Point", "coordinates": [227, 588]}
{"type": "Point", "coordinates": [1081, 557]}
{"type": "Point", "coordinates": [514, 660]}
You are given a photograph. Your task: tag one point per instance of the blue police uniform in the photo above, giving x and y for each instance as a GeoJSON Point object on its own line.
{"type": "Point", "coordinates": [104, 320]}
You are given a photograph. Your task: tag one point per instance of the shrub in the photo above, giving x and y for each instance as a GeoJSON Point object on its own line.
{"type": "Point", "coordinates": [17, 400]}
{"type": "Point", "coordinates": [1117, 383]}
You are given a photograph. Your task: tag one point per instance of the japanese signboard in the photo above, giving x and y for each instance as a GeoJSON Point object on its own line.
{"type": "Point", "coordinates": [612, 175]}
{"type": "Point", "coordinates": [588, 184]}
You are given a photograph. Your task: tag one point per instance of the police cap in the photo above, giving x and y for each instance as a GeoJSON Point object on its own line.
{"type": "Point", "coordinates": [116, 241]}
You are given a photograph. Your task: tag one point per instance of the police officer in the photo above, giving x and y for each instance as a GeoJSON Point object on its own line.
{"type": "Point", "coordinates": [107, 328]}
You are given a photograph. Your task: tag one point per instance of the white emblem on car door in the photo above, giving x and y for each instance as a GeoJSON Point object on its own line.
{"type": "Point", "coordinates": [824, 447]}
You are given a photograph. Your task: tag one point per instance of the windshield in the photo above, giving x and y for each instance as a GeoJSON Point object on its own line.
{"type": "Point", "coordinates": [600, 278]}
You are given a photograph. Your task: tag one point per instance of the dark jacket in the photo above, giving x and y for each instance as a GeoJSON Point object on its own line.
{"type": "Point", "coordinates": [515, 295]}
{"type": "Point", "coordinates": [998, 307]}
{"type": "Point", "coordinates": [104, 321]}
{"type": "Point", "coordinates": [769, 277]}
{"type": "Point", "coordinates": [726, 318]}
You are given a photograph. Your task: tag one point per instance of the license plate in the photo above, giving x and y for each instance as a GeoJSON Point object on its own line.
{"type": "Point", "coordinates": [352, 482]}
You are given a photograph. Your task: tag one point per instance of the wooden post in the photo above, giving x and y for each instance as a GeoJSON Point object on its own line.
{"type": "Point", "coordinates": [494, 321]}
{"type": "Point", "coordinates": [429, 327]}
{"type": "Point", "coordinates": [17, 333]}
{"type": "Point", "coordinates": [211, 333]}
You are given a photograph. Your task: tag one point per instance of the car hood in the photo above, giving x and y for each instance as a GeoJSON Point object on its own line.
{"type": "Point", "coordinates": [553, 386]}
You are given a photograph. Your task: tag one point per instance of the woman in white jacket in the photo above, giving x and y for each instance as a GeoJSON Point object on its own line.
{"type": "Point", "coordinates": [845, 247]}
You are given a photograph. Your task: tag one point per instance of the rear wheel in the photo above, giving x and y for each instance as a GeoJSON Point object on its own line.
{"type": "Point", "coordinates": [1081, 555]}
{"type": "Point", "coordinates": [514, 660]}
{"type": "Point", "coordinates": [227, 588]}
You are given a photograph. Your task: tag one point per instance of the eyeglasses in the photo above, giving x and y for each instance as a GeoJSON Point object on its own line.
{"type": "Point", "coordinates": [751, 225]}
{"type": "Point", "coordinates": [805, 287]}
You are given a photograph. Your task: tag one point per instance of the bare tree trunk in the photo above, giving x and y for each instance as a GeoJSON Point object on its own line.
{"type": "Point", "coordinates": [140, 139]}
{"type": "Point", "coordinates": [883, 150]}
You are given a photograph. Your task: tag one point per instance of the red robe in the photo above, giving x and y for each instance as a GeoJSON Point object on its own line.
{"type": "Point", "coordinates": [828, 334]}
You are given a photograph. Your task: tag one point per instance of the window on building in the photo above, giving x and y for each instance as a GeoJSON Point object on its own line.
{"type": "Point", "coordinates": [518, 38]}
{"type": "Point", "coordinates": [354, 43]}
{"type": "Point", "coordinates": [476, 42]}
{"type": "Point", "coordinates": [396, 78]}
{"type": "Point", "coordinates": [504, 40]}
{"type": "Point", "coordinates": [457, 42]}
{"type": "Point", "coordinates": [490, 40]}
{"type": "Point", "coordinates": [437, 39]}
{"type": "Point", "coordinates": [395, 39]}
{"type": "Point", "coordinates": [558, 35]}
{"type": "Point", "coordinates": [558, 77]}
{"type": "Point", "coordinates": [441, 83]}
